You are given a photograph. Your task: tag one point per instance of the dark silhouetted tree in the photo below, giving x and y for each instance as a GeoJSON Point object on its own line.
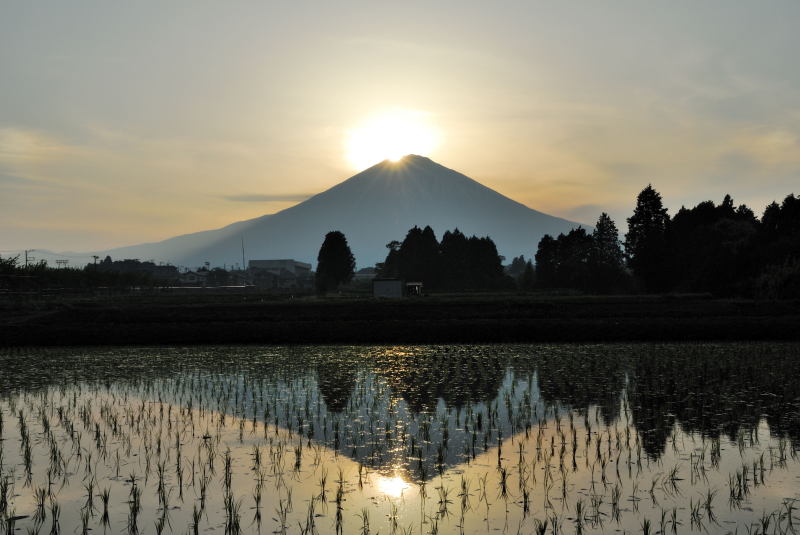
{"type": "Point", "coordinates": [390, 268]}
{"type": "Point", "coordinates": [458, 263]}
{"type": "Point", "coordinates": [563, 262]}
{"type": "Point", "coordinates": [454, 251]}
{"type": "Point", "coordinates": [431, 264]}
{"type": "Point", "coordinates": [517, 267]}
{"type": "Point", "coordinates": [486, 267]}
{"type": "Point", "coordinates": [574, 250]}
{"type": "Point", "coordinates": [778, 250]}
{"type": "Point", "coordinates": [711, 247]}
{"type": "Point", "coordinates": [606, 260]}
{"type": "Point", "coordinates": [546, 262]}
{"type": "Point", "coordinates": [418, 257]}
{"type": "Point", "coordinates": [780, 232]}
{"type": "Point", "coordinates": [646, 240]}
{"type": "Point", "coordinates": [335, 263]}
{"type": "Point", "coordinates": [527, 281]}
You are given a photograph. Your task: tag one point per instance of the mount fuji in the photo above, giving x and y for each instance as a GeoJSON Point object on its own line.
{"type": "Point", "coordinates": [371, 208]}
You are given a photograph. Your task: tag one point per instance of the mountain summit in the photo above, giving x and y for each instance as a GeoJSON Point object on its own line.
{"type": "Point", "coordinates": [372, 208]}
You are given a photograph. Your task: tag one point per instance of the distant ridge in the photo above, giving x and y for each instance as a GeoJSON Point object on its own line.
{"type": "Point", "coordinates": [372, 208]}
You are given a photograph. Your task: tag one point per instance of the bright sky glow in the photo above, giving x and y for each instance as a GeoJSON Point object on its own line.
{"type": "Point", "coordinates": [232, 110]}
{"type": "Point", "coordinates": [390, 136]}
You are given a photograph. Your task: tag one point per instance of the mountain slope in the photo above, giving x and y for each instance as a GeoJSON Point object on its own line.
{"type": "Point", "coordinates": [372, 208]}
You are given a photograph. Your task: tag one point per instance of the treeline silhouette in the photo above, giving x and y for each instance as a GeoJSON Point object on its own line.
{"type": "Point", "coordinates": [455, 263]}
{"type": "Point", "coordinates": [582, 260]}
{"type": "Point", "coordinates": [718, 248]}
{"type": "Point", "coordinates": [16, 276]}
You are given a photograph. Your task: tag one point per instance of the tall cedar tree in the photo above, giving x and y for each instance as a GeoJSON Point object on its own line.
{"type": "Point", "coordinates": [418, 257]}
{"type": "Point", "coordinates": [335, 263]}
{"type": "Point", "coordinates": [455, 259]}
{"type": "Point", "coordinates": [646, 241]}
{"type": "Point", "coordinates": [606, 259]}
{"type": "Point", "coordinates": [546, 262]}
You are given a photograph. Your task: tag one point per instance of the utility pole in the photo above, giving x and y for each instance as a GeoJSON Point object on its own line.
{"type": "Point", "coordinates": [243, 264]}
{"type": "Point", "coordinates": [26, 256]}
{"type": "Point", "coordinates": [95, 258]}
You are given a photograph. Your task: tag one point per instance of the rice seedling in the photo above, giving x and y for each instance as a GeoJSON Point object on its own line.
{"type": "Point", "coordinates": [55, 518]}
{"type": "Point", "coordinates": [271, 432]}
{"type": "Point", "coordinates": [364, 517]}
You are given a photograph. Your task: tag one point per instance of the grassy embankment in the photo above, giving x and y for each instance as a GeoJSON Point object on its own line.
{"type": "Point", "coordinates": [215, 318]}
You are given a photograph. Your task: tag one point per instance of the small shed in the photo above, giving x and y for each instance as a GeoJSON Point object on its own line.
{"type": "Point", "coordinates": [387, 288]}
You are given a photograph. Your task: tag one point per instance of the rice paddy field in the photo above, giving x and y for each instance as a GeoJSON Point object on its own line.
{"type": "Point", "coordinates": [627, 438]}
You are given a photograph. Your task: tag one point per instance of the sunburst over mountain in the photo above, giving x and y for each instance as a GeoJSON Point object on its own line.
{"type": "Point", "coordinates": [372, 208]}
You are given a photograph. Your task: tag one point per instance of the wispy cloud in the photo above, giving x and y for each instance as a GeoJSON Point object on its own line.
{"type": "Point", "coordinates": [23, 145]}
{"type": "Point", "coordinates": [256, 197]}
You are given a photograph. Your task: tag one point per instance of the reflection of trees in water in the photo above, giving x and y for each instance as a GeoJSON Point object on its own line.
{"type": "Point", "coordinates": [582, 377]}
{"type": "Point", "coordinates": [715, 391]}
{"type": "Point", "coordinates": [337, 381]}
{"type": "Point", "coordinates": [457, 375]}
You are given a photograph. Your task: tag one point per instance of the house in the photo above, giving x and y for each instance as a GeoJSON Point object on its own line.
{"type": "Point", "coordinates": [282, 274]}
{"type": "Point", "coordinates": [194, 278]}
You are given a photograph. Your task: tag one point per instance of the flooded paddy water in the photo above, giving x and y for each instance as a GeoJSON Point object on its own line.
{"type": "Point", "coordinates": [398, 440]}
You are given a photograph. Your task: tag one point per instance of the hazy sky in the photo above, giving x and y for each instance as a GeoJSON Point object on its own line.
{"type": "Point", "coordinates": [123, 122]}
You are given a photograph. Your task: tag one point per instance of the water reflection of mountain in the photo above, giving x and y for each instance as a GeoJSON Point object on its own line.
{"type": "Point", "coordinates": [429, 407]}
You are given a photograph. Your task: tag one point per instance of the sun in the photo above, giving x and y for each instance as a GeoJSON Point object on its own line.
{"type": "Point", "coordinates": [390, 136]}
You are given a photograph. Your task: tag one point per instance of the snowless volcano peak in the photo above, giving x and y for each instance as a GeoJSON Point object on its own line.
{"type": "Point", "coordinates": [372, 208]}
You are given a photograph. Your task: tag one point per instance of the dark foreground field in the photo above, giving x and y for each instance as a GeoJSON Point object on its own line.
{"type": "Point", "coordinates": [213, 318]}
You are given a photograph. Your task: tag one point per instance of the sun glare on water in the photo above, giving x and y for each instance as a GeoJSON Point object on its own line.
{"type": "Point", "coordinates": [392, 486]}
{"type": "Point", "coordinates": [390, 136]}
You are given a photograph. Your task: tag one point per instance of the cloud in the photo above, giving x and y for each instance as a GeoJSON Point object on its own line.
{"type": "Point", "coordinates": [22, 145]}
{"type": "Point", "coordinates": [255, 197]}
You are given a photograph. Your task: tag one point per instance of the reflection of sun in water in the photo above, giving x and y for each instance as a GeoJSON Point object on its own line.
{"type": "Point", "coordinates": [390, 136]}
{"type": "Point", "coordinates": [392, 486]}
